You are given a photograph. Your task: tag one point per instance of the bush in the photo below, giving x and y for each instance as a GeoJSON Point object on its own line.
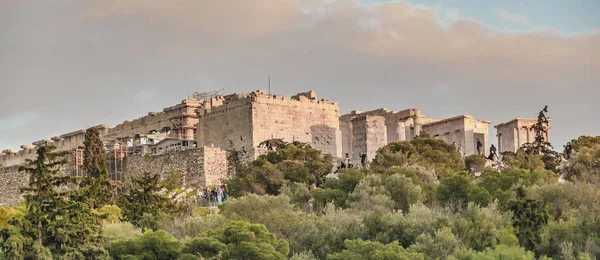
{"type": "Point", "coordinates": [475, 163]}
{"type": "Point", "coordinates": [6, 215]}
{"type": "Point", "coordinates": [431, 153]}
{"type": "Point", "coordinates": [118, 230]}
{"type": "Point", "coordinates": [110, 213]}
{"type": "Point", "coordinates": [359, 249]}
{"type": "Point", "coordinates": [185, 228]}
{"type": "Point", "coordinates": [150, 245]}
{"type": "Point", "coordinates": [239, 240]}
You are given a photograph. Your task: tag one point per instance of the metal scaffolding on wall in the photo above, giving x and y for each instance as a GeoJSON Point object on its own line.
{"type": "Point", "coordinates": [206, 96]}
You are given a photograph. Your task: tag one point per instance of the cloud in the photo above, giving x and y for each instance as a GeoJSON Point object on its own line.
{"type": "Point", "coordinates": [86, 62]}
{"type": "Point", "coordinates": [510, 17]}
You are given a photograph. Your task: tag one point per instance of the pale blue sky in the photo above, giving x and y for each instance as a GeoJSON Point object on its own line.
{"type": "Point", "coordinates": [566, 16]}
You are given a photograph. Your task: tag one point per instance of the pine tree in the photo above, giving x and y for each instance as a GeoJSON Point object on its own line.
{"type": "Point", "coordinates": [143, 196]}
{"type": "Point", "coordinates": [540, 145]}
{"type": "Point", "coordinates": [97, 181]}
{"type": "Point", "coordinates": [57, 221]}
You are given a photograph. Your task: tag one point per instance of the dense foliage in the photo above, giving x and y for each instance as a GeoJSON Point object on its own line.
{"type": "Point", "coordinates": [418, 200]}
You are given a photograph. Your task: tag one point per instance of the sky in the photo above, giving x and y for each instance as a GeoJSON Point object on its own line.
{"type": "Point", "coordinates": [67, 65]}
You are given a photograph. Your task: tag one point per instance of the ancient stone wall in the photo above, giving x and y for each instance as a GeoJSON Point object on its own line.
{"type": "Point", "coordinates": [515, 133]}
{"type": "Point", "coordinates": [243, 121]}
{"type": "Point", "coordinates": [199, 167]}
{"type": "Point", "coordinates": [303, 119]}
{"type": "Point", "coordinates": [228, 126]}
{"type": "Point", "coordinates": [369, 134]}
{"type": "Point", "coordinates": [181, 119]}
{"type": "Point", "coordinates": [64, 142]}
{"type": "Point", "coordinates": [11, 181]}
{"type": "Point", "coordinates": [399, 126]}
{"type": "Point", "coordinates": [462, 130]}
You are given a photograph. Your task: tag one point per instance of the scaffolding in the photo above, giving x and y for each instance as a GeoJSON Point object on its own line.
{"type": "Point", "coordinates": [116, 163]}
{"type": "Point", "coordinates": [76, 170]}
{"type": "Point", "coordinates": [207, 96]}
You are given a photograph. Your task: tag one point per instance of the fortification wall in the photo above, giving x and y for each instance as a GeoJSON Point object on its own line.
{"type": "Point", "coordinates": [228, 126]}
{"type": "Point", "coordinates": [181, 118]}
{"type": "Point", "coordinates": [199, 167]}
{"type": "Point", "coordinates": [301, 118]}
{"type": "Point", "coordinates": [11, 181]}
{"type": "Point", "coordinates": [64, 142]}
{"type": "Point", "coordinates": [243, 121]}
{"type": "Point", "coordinates": [369, 134]}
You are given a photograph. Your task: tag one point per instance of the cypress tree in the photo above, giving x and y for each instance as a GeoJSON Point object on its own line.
{"type": "Point", "coordinates": [97, 181]}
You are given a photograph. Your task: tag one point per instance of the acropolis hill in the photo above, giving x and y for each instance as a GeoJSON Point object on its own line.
{"type": "Point", "coordinates": [194, 135]}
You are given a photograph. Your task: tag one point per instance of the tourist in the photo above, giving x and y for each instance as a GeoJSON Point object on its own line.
{"type": "Point", "coordinates": [219, 195]}
{"type": "Point", "coordinates": [479, 146]}
{"type": "Point", "coordinates": [460, 150]}
{"type": "Point", "coordinates": [225, 193]}
{"type": "Point", "coordinates": [568, 150]}
{"type": "Point", "coordinates": [363, 160]}
{"type": "Point", "coordinates": [213, 194]}
{"type": "Point", "coordinates": [207, 197]}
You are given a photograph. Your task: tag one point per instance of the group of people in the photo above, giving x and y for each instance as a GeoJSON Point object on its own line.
{"type": "Point", "coordinates": [213, 197]}
{"type": "Point", "coordinates": [347, 163]}
{"type": "Point", "coordinates": [479, 145]}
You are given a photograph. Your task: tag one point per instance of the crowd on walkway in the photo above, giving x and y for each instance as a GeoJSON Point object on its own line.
{"type": "Point", "coordinates": [213, 197]}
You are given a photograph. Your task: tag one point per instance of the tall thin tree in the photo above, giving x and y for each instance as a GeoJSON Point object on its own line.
{"type": "Point", "coordinates": [97, 180]}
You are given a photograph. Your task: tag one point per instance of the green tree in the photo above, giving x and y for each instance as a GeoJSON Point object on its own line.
{"type": "Point", "coordinates": [585, 141]}
{"type": "Point", "coordinates": [290, 163]}
{"type": "Point", "coordinates": [368, 250]}
{"type": "Point", "coordinates": [55, 222]}
{"type": "Point", "coordinates": [475, 163]}
{"type": "Point", "coordinates": [529, 216]}
{"type": "Point", "coordinates": [239, 240]}
{"type": "Point", "coordinates": [143, 199]}
{"type": "Point", "coordinates": [460, 189]}
{"type": "Point", "coordinates": [100, 187]}
{"type": "Point", "coordinates": [157, 245]}
{"type": "Point", "coordinates": [431, 153]}
{"type": "Point", "coordinates": [499, 252]}
{"type": "Point", "coordinates": [540, 145]}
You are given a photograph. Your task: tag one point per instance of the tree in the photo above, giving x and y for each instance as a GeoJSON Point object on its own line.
{"type": "Point", "coordinates": [529, 216]}
{"type": "Point", "coordinates": [55, 222]}
{"type": "Point", "coordinates": [150, 245]}
{"type": "Point", "coordinates": [289, 163]}
{"type": "Point", "coordinates": [585, 141]}
{"type": "Point", "coordinates": [460, 189]}
{"type": "Point", "coordinates": [475, 163]}
{"type": "Point", "coordinates": [428, 152]}
{"type": "Point", "coordinates": [97, 181]}
{"type": "Point", "coordinates": [273, 144]}
{"type": "Point", "coordinates": [368, 250]}
{"type": "Point", "coordinates": [143, 197]}
{"type": "Point", "coordinates": [540, 145]}
{"type": "Point", "coordinates": [239, 240]}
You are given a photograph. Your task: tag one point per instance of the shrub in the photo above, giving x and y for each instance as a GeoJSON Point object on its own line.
{"type": "Point", "coordinates": [150, 245]}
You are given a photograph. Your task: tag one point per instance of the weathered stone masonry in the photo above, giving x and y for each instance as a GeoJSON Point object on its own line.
{"type": "Point", "coordinates": [199, 167]}
{"type": "Point", "coordinates": [242, 122]}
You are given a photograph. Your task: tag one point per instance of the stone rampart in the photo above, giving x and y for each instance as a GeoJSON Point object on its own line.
{"type": "Point", "coordinates": [11, 181]}
{"type": "Point", "coordinates": [199, 167]}
{"type": "Point", "coordinates": [243, 121]}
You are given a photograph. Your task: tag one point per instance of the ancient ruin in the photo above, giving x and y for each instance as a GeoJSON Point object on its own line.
{"type": "Point", "coordinates": [515, 133]}
{"type": "Point", "coordinates": [194, 135]}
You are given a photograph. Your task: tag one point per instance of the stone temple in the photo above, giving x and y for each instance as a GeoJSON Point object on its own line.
{"type": "Point", "coordinates": [194, 136]}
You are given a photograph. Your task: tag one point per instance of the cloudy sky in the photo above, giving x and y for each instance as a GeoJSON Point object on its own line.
{"type": "Point", "coordinates": [70, 64]}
